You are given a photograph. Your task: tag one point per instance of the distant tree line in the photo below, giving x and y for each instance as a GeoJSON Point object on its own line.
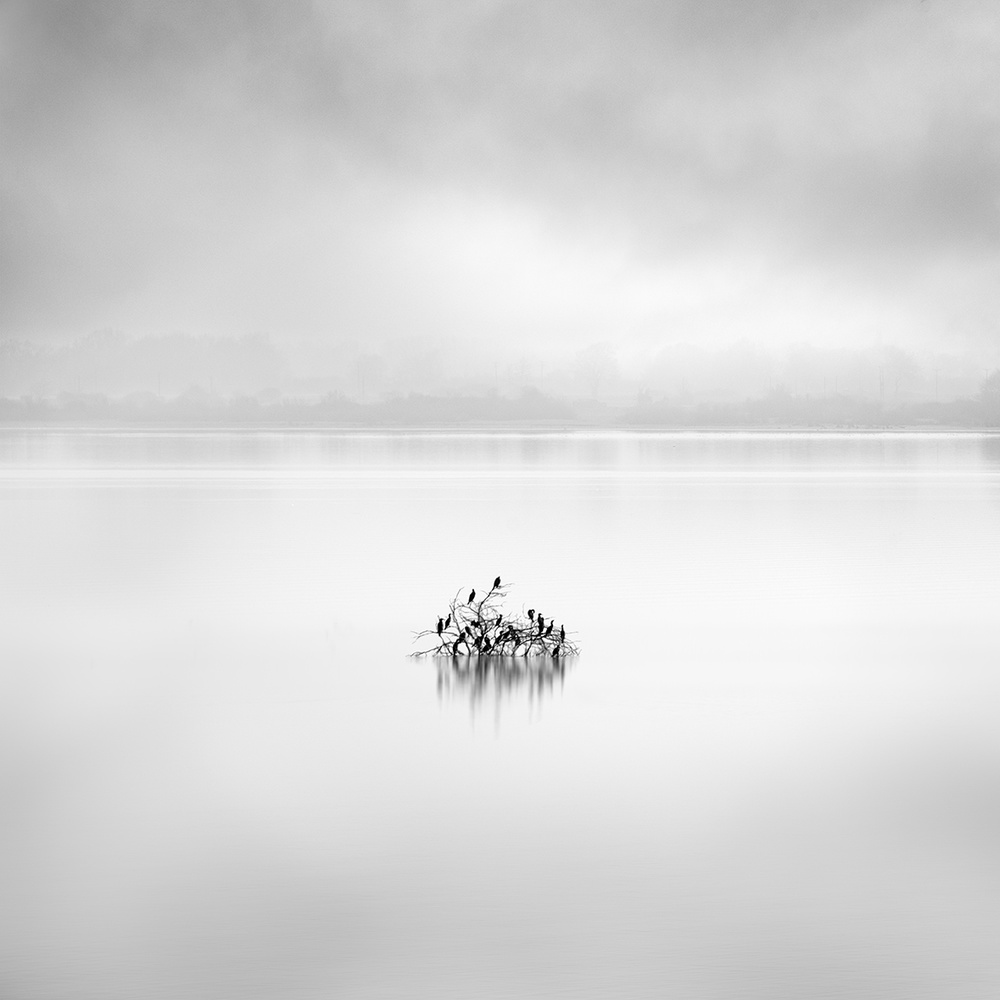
{"type": "Point", "coordinates": [198, 407]}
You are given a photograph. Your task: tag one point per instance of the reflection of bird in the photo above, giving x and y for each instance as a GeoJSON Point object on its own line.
{"type": "Point", "coordinates": [496, 583]}
{"type": "Point", "coordinates": [531, 614]}
{"type": "Point", "coordinates": [440, 625]}
{"type": "Point", "coordinates": [472, 596]}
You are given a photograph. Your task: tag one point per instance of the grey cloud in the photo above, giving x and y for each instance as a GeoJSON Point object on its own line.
{"type": "Point", "coordinates": [153, 145]}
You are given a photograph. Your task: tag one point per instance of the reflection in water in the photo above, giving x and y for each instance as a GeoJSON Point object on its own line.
{"type": "Point", "coordinates": [478, 678]}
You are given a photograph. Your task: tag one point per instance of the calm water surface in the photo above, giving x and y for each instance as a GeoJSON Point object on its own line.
{"type": "Point", "coordinates": [774, 772]}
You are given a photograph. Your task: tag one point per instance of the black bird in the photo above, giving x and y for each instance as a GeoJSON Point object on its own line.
{"type": "Point", "coordinates": [472, 596]}
{"type": "Point", "coordinates": [486, 645]}
{"type": "Point", "coordinates": [454, 649]}
{"type": "Point", "coordinates": [496, 583]}
{"type": "Point", "coordinates": [447, 621]}
{"type": "Point", "coordinates": [541, 621]}
{"type": "Point", "coordinates": [531, 614]}
{"type": "Point", "coordinates": [548, 631]}
{"type": "Point", "coordinates": [562, 633]}
{"type": "Point", "coordinates": [440, 625]}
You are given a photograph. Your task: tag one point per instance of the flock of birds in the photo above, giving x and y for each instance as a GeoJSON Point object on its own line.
{"type": "Point", "coordinates": [481, 629]}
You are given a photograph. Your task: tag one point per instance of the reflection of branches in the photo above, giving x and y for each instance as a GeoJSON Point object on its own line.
{"type": "Point", "coordinates": [481, 629]}
{"type": "Point", "coordinates": [475, 677]}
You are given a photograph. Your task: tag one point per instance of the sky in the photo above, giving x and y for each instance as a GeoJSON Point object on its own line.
{"type": "Point", "coordinates": [502, 173]}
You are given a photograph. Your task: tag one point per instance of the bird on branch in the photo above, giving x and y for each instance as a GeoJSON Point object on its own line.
{"type": "Point", "coordinates": [472, 596]}
{"type": "Point", "coordinates": [496, 583]}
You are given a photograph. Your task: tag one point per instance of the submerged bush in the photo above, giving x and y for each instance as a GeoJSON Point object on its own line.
{"type": "Point", "coordinates": [483, 628]}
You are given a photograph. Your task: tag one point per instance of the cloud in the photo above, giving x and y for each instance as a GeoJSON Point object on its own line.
{"type": "Point", "coordinates": [228, 167]}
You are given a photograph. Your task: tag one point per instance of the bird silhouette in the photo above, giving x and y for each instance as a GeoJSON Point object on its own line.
{"type": "Point", "coordinates": [496, 583]}
{"type": "Point", "coordinates": [531, 614]}
{"type": "Point", "coordinates": [548, 631]}
{"type": "Point", "coordinates": [447, 621]}
{"type": "Point", "coordinates": [541, 621]}
{"type": "Point", "coordinates": [472, 596]}
{"type": "Point", "coordinates": [440, 625]}
{"type": "Point", "coordinates": [562, 633]}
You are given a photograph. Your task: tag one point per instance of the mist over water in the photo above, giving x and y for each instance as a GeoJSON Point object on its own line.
{"type": "Point", "coordinates": [772, 771]}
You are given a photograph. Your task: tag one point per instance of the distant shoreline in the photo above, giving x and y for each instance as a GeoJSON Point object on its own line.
{"type": "Point", "coordinates": [777, 411]}
{"type": "Point", "coordinates": [610, 430]}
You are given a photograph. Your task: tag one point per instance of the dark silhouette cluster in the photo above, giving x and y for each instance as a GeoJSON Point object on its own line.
{"type": "Point", "coordinates": [482, 628]}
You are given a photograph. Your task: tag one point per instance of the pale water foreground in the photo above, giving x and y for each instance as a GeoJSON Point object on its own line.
{"type": "Point", "coordinates": [773, 773]}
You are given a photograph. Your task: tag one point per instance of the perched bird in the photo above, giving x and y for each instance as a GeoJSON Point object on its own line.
{"type": "Point", "coordinates": [496, 583]}
{"type": "Point", "coordinates": [548, 631]}
{"type": "Point", "coordinates": [447, 621]}
{"type": "Point", "coordinates": [562, 633]}
{"type": "Point", "coordinates": [531, 614]}
{"type": "Point", "coordinates": [472, 596]}
{"type": "Point", "coordinates": [486, 645]}
{"type": "Point", "coordinates": [440, 625]}
{"type": "Point", "coordinates": [454, 649]}
{"type": "Point", "coordinates": [499, 620]}
{"type": "Point", "coordinates": [541, 621]}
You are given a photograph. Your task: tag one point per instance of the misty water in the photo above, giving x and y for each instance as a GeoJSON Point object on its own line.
{"type": "Point", "coordinates": [773, 771]}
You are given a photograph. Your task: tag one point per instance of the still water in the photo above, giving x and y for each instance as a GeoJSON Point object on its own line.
{"type": "Point", "coordinates": [773, 772]}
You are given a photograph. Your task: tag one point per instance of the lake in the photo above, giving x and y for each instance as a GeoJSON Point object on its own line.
{"type": "Point", "coordinates": [773, 771]}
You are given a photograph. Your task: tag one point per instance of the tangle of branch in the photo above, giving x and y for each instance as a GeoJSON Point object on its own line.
{"type": "Point", "coordinates": [477, 627]}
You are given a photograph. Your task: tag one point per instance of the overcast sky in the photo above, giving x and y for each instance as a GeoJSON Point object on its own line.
{"type": "Point", "coordinates": [556, 172]}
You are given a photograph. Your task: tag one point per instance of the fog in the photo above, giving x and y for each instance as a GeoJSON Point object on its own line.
{"type": "Point", "coordinates": [115, 365]}
{"type": "Point", "coordinates": [502, 179]}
